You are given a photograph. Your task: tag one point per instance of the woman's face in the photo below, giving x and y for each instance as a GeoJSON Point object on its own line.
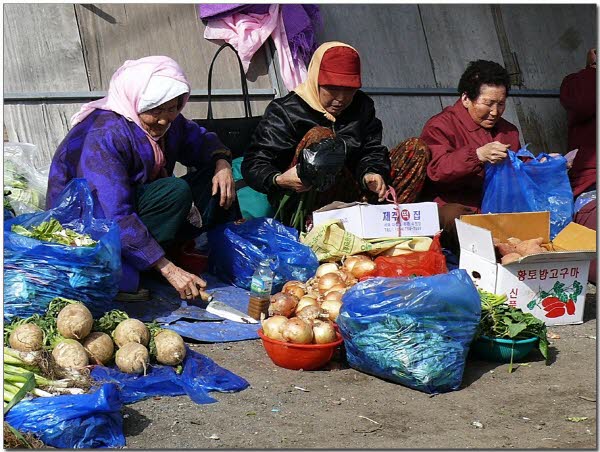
{"type": "Point", "coordinates": [488, 107]}
{"type": "Point", "coordinates": [157, 120]}
{"type": "Point", "coordinates": [335, 99]}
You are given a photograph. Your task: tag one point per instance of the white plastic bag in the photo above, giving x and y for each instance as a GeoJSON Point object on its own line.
{"type": "Point", "coordinates": [26, 183]}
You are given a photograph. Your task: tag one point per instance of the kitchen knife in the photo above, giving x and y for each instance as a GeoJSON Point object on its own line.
{"type": "Point", "coordinates": [224, 310]}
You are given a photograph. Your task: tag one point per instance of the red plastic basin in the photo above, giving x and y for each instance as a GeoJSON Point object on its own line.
{"type": "Point", "coordinates": [299, 356]}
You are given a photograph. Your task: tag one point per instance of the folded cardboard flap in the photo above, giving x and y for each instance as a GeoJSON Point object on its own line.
{"type": "Point", "coordinates": [575, 237]}
{"type": "Point", "coordinates": [340, 205]}
{"type": "Point", "coordinates": [524, 225]}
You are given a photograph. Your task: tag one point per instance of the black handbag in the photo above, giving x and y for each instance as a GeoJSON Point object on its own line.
{"type": "Point", "coordinates": [235, 133]}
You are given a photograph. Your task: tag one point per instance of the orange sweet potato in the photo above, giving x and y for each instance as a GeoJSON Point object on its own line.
{"type": "Point", "coordinates": [531, 246]}
{"type": "Point", "coordinates": [506, 248]}
{"type": "Point", "coordinates": [511, 257]}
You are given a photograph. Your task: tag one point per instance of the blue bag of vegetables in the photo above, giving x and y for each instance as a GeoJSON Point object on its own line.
{"type": "Point", "coordinates": [538, 184]}
{"type": "Point", "coordinates": [62, 252]}
{"type": "Point", "coordinates": [413, 331]}
{"type": "Point", "coordinates": [237, 248]}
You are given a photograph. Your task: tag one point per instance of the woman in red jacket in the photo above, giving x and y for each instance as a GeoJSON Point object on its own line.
{"type": "Point", "coordinates": [462, 138]}
{"type": "Point", "coordinates": [578, 97]}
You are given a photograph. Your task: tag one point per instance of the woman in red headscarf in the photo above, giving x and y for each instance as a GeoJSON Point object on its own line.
{"type": "Point", "coordinates": [327, 106]}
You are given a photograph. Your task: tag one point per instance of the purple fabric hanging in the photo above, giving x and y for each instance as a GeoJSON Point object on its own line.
{"type": "Point", "coordinates": [302, 22]}
{"type": "Point", "coordinates": [210, 11]}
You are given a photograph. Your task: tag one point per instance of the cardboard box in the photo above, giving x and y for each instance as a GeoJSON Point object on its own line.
{"type": "Point", "coordinates": [370, 221]}
{"type": "Point", "coordinates": [530, 280]}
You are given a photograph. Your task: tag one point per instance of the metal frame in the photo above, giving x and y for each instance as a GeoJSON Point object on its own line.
{"type": "Point", "coordinates": [264, 93]}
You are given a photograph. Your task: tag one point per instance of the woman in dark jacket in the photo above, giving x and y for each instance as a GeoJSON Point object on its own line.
{"type": "Point", "coordinates": [328, 104]}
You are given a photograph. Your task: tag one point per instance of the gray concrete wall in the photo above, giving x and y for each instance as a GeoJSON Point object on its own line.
{"type": "Point", "coordinates": [429, 45]}
{"type": "Point", "coordinates": [66, 47]}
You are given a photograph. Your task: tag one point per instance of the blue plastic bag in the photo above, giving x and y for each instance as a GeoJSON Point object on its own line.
{"type": "Point", "coordinates": [199, 376]}
{"type": "Point", "coordinates": [35, 271]}
{"type": "Point", "coordinates": [532, 186]}
{"type": "Point", "coordinates": [415, 332]}
{"type": "Point", "coordinates": [83, 421]}
{"type": "Point", "coordinates": [236, 250]}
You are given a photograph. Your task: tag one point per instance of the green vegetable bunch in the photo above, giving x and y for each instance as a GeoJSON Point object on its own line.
{"type": "Point", "coordinates": [503, 321]}
{"type": "Point", "coordinates": [53, 231]}
{"type": "Point", "coordinates": [293, 209]}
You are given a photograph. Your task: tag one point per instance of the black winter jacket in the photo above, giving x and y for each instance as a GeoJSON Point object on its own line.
{"type": "Point", "coordinates": [285, 122]}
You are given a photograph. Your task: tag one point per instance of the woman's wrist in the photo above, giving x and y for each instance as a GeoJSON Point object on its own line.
{"type": "Point", "coordinates": [222, 163]}
{"type": "Point", "coordinates": [163, 265]}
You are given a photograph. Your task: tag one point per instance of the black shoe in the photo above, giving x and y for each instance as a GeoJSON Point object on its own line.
{"type": "Point", "coordinates": [140, 295]}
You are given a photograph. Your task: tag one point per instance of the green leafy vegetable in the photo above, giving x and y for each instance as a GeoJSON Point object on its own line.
{"type": "Point", "coordinates": [503, 321]}
{"type": "Point", "coordinates": [109, 321]}
{"type": "Point", "coordinates": [53, 231]}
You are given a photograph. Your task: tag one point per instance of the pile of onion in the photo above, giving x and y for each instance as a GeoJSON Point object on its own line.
{"type": "Point", "coordinates": [359, 265]}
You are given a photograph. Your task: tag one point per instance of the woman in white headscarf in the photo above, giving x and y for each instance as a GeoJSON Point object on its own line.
{"type": "Point", "coordinates": [126, 145]}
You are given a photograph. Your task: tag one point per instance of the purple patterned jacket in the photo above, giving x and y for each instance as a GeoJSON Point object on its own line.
{"type": "Point", "coordinates": [114, 156]}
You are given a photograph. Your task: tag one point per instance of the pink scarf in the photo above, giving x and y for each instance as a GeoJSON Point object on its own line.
{"type": "Point", "coordinates": [248, 32]}
{"type": "Point", "coordinates": [126, 88]}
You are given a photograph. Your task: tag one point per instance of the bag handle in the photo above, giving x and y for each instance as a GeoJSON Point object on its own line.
{"type": "Point", "coordinates": [247, 108]}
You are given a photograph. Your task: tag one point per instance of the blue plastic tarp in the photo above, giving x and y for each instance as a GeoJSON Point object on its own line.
{"type": "Point", "coordinates": [84, 421]}
{"type": "Point", "coordinates": [200, 376]}
{"type": "Point", "coordinates": [191, 320]}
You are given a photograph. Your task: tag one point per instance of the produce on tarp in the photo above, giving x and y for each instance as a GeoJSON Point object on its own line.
{"type": "Point", "coordinates": [70, 354]}
{"type": "Point", "coordinates": [170, 347]}
{"type": "Point", "coordinates": [27, 337]}
{"type": "Point", "coordinates": [74, 321]}
{"type": "Point", "coordinates": [132, 358]}
{"type": "Point", "coordinates": [131, 330]}
{"type": "Point", "coordinates": [99, 347]}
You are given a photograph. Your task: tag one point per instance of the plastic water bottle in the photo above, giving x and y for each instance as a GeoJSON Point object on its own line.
{"type": "Point", "coordinates": [260, 290]}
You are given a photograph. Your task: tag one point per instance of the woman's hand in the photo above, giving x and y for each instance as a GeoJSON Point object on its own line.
{"type": "Point", "coordinates": [223, 183]}
{"type": "Point", "coordinates": [187, 284]}
{"type": "Point", "coordinates": [376, 184]}
{"type": "Point", "coordinates": [493, 152]}
{"type": "Point", "coordinates": [290, 180]}
{"type": "Point", "coordinates": [590, 60]}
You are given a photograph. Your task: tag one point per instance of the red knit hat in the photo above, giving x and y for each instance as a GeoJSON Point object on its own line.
{"type": "Point", "coordinates": [340, 66]}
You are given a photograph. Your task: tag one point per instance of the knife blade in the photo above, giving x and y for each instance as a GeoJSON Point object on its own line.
{"type": "Point", "coordinates": [224, 310]}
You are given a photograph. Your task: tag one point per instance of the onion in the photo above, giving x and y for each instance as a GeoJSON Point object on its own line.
{"type": "Point", "coordinates": [328, 267]}
{"type": "Point", "coordinates": [272, 327]}
{"type": "Point", "coordinates": [332, 307]}
{"type": "Point", "coordinates": [327, 281]}
{"type": "Point", "coordinates": [333, 295]}
{"type": "Point", "coordinates": [295, 288]}
{"type": "Point", "coordinates": [282, 304]}
{"type": "Point", "coordinates": [306, 301]}
{"type": "Point", "coordinates": [351, 261]}
{"type": "Point", "coordinates": [297, 331]}
{"type": "Point", "coordinates": [309, 313]}
{"type": "Point", "coordinates": [323, 332]}
{"type": "Point", "coordinates": [337, 288]}
{"type": "Point", "coordinates": [363, 268]}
